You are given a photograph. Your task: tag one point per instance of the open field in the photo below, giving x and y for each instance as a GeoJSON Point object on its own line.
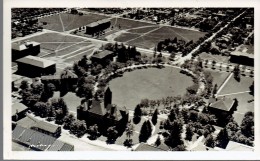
{"type": "Point", "coordinates": [143, 29]}
{"type": "Point", "coordinates": [218, 77]}
{"type": "Point", "coordinates": [151, 39]}
{"type": "Point", "coordinates": [233, 86]}
{"type": "Point", "coordinates": [65, 21]}
{"type": "Point", "coordinates": [54, 41]}
{"type": "Point", "coordinates": [126, 36]}
{"type": "Point", "coordinates": [217, 58]}
{"type": "Point", "coordinates": [127, 23]}
{"type": "Point", "coordinates": [149, 83]}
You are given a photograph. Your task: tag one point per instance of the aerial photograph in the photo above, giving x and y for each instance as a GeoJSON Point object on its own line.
{"type": "Point", "coordinates": [132, 79]}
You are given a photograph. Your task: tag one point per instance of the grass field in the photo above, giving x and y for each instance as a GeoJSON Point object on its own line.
{"type": "Point", "coordinates": [149, 83]}
{"type": "Point", "coordinates": [217, 58]}
{"type": "Point", "coordinates": [126, 36]}
{"type": "Point", "coordinates": [233, 86]}
{"type": "Point", "coordinates": [150, 40]}
{"type": "Point", "coordinates": [218, 77]}
{"type": "Point", "coordinates": [53, 41]}
{"type": "Point", "coordinates": [143, 30]}
{"type": "Point", "coordinates": [69, 21]}
{"type": "Point", "coordinates": [128, 24]}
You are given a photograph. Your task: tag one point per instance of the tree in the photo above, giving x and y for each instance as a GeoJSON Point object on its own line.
{"type": "Point", "coordinates": [78, 128]}
{"type": "Point", "coordinates": [145, 132]}
{"type": "Point", "coordinates": [236, 73]}
{"type": "Point", "coordinates": [40, 109]}
{"type": "Point", "coordinates": [129, 132]}
{"type": "Point", "coordinates": [111, 134]}
{"type": "Point", "coordinates": [210, 142]}
{"type": "Point", "coordinates": [174, 138]}
{"type": "Point", "coordinates": [215, 89]}
{"type": "Point", "coordinates": [24, 84]}
{"type": "Point", "coordinates": [158, 141]}
{"type": "Point", "coordinates": [137, 114]}
{"type": "Point", "coordinates": [189, 132]}
{"type": "Point", "coordinates": [68, 120]}
{"type": "Point", "coordinates": [93, 132]}
{"type": "Point", "coordinates": [247, 125]}
{"type": "Point", "coordinates": [48, 91]}
{"type": "Point", "coordinates": [252, 88]}
{"type": "Point", "coordinates": [222, 138]}
{"type": "Point", "coordinates": [155, 117]}
{"type": "Point", "coordinates": [86, 90]}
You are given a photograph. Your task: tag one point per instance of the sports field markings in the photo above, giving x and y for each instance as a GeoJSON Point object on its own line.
{"type": "Point", "coordinates": [224, 83]}
{"type": "Point", "coordinates": [233, 93]}
{"type": "Point", "coordinates": [62, 25]}
{"type": "Point", "coordinates": [79, 53]}
{"type": "Point", "coordinates": [143, 34]}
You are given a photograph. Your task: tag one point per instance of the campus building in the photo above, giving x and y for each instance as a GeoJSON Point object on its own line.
{"type": "Point", "coordinates": [244, 55]}
{"type": "Point", "coordinates": [18, 111]}
{"type": "Point", "coordinates": [103, 113]}
{"type": "Point", "coordinates": [20, 50]}
{"type": "Point", "coordinates": [47, 128]}
{"type": "Point", "coordinates": [222, 108]}
{"type": "Point", "coordinates": [37, 141]}
{"type": "Point", "coordinates": [102, 57]}
{"type": "Point", "coordinates": [35, 66]}
{"type": "Point", "coordinates": [96, 27]}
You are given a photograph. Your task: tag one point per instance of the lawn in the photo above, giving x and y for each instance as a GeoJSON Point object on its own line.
{"type": "Point", "coordinates": [150, 40]}
{"type": "Point", "coordinates": [126, 37]}
{"type": "Point", "coordinates": [218, 77]}
{"type": "Point", "coordinates": [217, 58]}
{"type": "Point", "coordinates": [70, 21]}
{"type": "Point", "coordinates": [128, 24]}
{"type": "Point", "coordinates": [143, 30]}
{"type": "Point", "coordinates": [53, 41]}
{"type": "Point", "coordinates": [233, 86]}
{"type": "Point", "coordinates": [78, 55]}
{"type": "Point", "coordinates": [149, 83]}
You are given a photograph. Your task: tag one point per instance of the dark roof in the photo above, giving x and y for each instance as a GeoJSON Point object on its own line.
{"type": "Point", "coordinates": [224, 104]}
{"type": "Point", "coordinates": [46, 126]}
{"type": "Point", "coordinates": [67, 147]}
{"type": "Point", "coordinates": [146, 147]}
{"type": "Point", "coordinates": [56, 146]}
{"type": "Point", "coordinates": [97, 108]}
{"type": "Point", "coordinates": [36, 61]}
{"type": "Point", "coordinates": [32, 138]}
{"type": "Point", "coordinates": [102, 54]}
{"type": "Point", "coordinates": [18, 107]}
{"type": "Point", "coordinates": [239, 53]}
{"type": "Point", "coordinates": [113, 112]}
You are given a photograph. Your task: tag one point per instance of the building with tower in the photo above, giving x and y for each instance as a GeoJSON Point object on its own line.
{"type": "Point", "coordinates": [103, 113]}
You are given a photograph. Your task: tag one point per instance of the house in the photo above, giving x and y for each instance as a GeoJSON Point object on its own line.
{"type": "Point", "coordinates": [22, 49]}
{"type": "Point", "coordinates": [47, 128]}
{"type": "Point", "coordinates": [201, 147]}
{"type": "Point", "coordinates": [222, 108]}
{"type": "Point", "coordinates": [18, 111]}
{"type": "Point", "coordinates": [102, 57]}
{"type": "Point", "coordinates": [35, 66]}
{"type": "Point", "coordinates": [103, 113]}
{"type": "Point", "coordinates": [147, 147]}
{"type": "Point", "coordinates": [38, 141]}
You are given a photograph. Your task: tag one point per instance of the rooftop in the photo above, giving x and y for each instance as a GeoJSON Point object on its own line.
{"type": "Point", "coordinates": [36, 61]}
{"type": "Point", "coordinates": [234, 146]}
{"type": "Point", "coordinates": [18, 107]}
{"type": "Point", "coordinates": [146, 147]}
{"type": "Point", "coordinates": [224, 104]}
{"type": "Point", "coordinates": [102, 54]}
{"type": "Point", "coordinates": [46, 126]}
{"type": "Point", "coordinates": [23, 45]}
